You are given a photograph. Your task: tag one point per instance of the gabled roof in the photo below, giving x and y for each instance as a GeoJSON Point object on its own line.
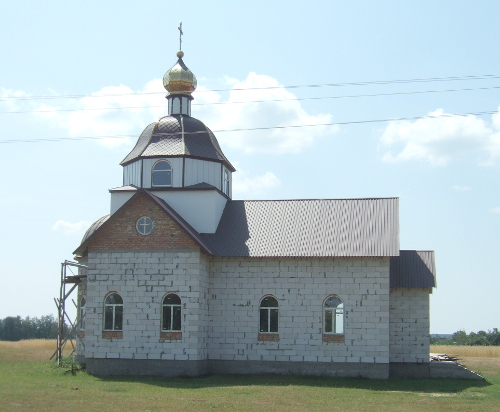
{"type": "Point", "coordinates": [178, 135]}
{"type": "Point", "coordinates": [331, 227]}
{"type": "Point", "coordinates": [97, 226]}
{"type": "Point", "coordinates": [413, 269]}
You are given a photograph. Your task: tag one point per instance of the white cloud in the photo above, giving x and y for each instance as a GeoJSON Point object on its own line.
{"type": "Point", "coordinates": [442, 138]}
{"type": "Point", "coordinates": [495, 210]}
{"type": "Point", "coordinates": [71, 228]}
{"type": "Point", "coordinates": [241, 111]}
{"type": "Point", "coordinates": [16, 100]}
{"type": "Point", "coordinates": [461, 188]}
{"type": "Point", "coordinates": [112, 111]}
{"type": "Point", "coordinates": [120, 111]}
{"type": "Point", "coordinates": [244, 185]}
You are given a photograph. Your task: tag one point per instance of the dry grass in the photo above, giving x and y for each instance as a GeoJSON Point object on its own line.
{"type": "Point", "coordinates": [30, 349]}
{"type": "Point", "coordinates": [468, 351]}
{"type": "Point", "coordinates": [30, 344]}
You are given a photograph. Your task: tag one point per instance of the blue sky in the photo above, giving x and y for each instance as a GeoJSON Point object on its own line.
{"type": "Point", "coordinates": [444, 168]}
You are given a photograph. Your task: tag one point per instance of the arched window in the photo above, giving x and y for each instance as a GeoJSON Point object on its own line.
{"type": "Point", "coordinates": [113, 312]}
{"type": "Point", "coordinates": [268, 315]}
{"type": "Point", "coordinates": [82, 313]}
{"type": "Point", "coordinates": [333, 321]}
{"type": "Point", "coordinates": [225, 182]}
{"type": "Point", "coordinates": [171, 313]}
{"type": "Point", "coordinates": [162, 174]}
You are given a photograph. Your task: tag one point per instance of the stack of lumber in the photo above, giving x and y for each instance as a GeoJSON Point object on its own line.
{"type": "Point", "coordinates": [438, 357]}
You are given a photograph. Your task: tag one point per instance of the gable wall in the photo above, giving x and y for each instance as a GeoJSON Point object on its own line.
{"type": "Point", "coordinates": [409, 325]}
{"type": "Point", "coordinates": [300, 285]}
{"type": "Point", "coordinates": [121, 233]}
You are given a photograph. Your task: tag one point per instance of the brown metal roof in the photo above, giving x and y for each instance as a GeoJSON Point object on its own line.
{"type": "Point", "coordinates": [331, 227]}
{"type": "Point", "coordinates": [178, 135]}
{"type": "Point", "coordinates": [413, 269]}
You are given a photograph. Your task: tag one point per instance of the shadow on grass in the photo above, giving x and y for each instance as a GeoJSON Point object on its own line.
{"type": "Point", "coordinates": [393, 384]}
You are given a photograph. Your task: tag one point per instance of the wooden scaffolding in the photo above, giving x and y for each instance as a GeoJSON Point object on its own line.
{"type": "Point", "coordinates": [67, 326]}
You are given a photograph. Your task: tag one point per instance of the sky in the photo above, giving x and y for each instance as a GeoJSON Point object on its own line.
{"type": "Point", "coordinates": [388, 98]}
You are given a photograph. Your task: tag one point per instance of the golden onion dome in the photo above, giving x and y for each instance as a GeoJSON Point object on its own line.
{"type": "Point", "coordinates": [179, 79]}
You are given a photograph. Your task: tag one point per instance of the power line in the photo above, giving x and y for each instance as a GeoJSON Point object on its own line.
{"type": "Point", "coordinates": [256, 128]}
{"type": "Point", "coordinates": [260, 101]}
{"type": "Point", "coordinates": [359, 83]}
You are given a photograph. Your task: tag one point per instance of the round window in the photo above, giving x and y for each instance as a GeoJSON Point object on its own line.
{"type": "Point", "coordinates": [144, 225]}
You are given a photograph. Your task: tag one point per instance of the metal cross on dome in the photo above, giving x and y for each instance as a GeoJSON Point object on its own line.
{"type": "Point", "coordinates": [180, 35]}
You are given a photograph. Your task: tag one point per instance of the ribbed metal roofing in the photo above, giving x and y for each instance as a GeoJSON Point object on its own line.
{"type": "Point", "coordinates": [413, 269]}
{"type": "Point", "coordinates": [93, 227]}
{"type": "Point", "coordinates": [177, 135]}
{"type": "Point", "coordinates": [334, 227]}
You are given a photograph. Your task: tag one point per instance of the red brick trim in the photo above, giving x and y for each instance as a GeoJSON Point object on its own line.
{"type": "Point", "coordinates": [120, 232]}
{"type": "Point", "coordinates": [333, 338]}
{"type": "Point", "coordinates": [171, 335]}
{"type": "Point", "coordinates": [269, 337]}
{"type": "Point", "coordinates": [112, 334]}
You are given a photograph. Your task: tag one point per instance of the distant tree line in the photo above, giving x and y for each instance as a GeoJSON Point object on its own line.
{"type": "Point", "coordinates": [481, 338]}
{"type": "Point", "coordinates": [15, 328]}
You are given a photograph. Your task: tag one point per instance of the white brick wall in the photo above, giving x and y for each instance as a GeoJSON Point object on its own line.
{"type": "Point", "coordinates": [409, 325]}
{"type": "Point", "coordinates": [220, 311]}
{"type": "Point", "coordinates": [142, 279]}
{"type": "Point", "coordinates": [82, 291]}
{"type": "Point", "coordinates": [300, 285]}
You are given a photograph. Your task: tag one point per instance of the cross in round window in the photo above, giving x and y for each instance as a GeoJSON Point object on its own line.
{"type": "Point", "coordinates": [144, 225]}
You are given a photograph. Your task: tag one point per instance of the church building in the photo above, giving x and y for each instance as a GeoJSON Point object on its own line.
{"type": "Point", "coordinates": [182, 280]}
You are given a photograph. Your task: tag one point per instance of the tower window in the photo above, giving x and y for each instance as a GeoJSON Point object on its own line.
{"type": "Point", "coordinates": [162, 174]}
{"type": "Point", "coordinates": [225, 182]}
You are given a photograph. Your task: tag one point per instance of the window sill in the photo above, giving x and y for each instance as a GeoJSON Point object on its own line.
{"type": "Point", "coordinates": [327, 338]}
{"type": "Point", "coordinates": [112, 334]}
{"type": "Point", "coordinates": [170, 335]}
{"type": "Point", "coordinates": [269, 337]}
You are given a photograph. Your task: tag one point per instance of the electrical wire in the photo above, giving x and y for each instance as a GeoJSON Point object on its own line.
{"type": "Point", "coordinates": [257, 128]}
{"type": "Point", "coordinates": [359, 83]}
{"type": "Point", "coordinates": [259, 101]}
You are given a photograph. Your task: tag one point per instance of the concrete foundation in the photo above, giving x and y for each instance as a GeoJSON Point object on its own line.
{"type": "Point", "coordinates": [146, 367]}
{"type": "Point", "coordinates": [452, 370]}
{"type": "Point", "coordinates": [172, 368]}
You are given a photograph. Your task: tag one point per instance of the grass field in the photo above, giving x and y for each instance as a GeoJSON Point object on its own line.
{"type": "Point", "coordinates": [28, 381]}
